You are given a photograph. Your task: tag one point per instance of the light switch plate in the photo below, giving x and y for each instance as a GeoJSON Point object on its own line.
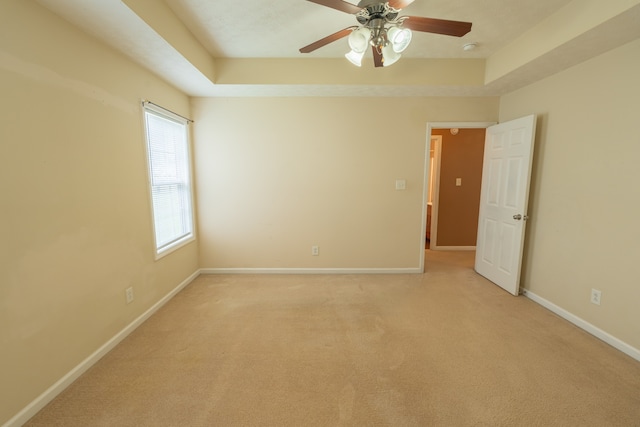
{"type": "Point", "coordinates": [401, 184]}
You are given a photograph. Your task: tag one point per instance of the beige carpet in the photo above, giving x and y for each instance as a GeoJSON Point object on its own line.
{"type": "Point", "coordinates": [446, 348]}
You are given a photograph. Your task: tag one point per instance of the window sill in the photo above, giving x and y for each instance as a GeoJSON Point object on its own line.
{"type": "Point", "coordinates": [174, 246]}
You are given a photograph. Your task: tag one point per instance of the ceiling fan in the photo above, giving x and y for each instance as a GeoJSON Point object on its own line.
{"type": "Point", "coordinates": [381, 28]}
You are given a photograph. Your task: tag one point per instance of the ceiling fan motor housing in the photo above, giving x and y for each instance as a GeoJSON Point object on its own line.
{"type": "Point", "coordinates": [376, 11]}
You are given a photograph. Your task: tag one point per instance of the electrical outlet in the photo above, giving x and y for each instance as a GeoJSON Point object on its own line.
{"type": "Point", "coordinates": [315, 250]}
{"type": "Point", "coordinates": [129, 294]}
{"type": "Point", "coordinates": [596, 296]}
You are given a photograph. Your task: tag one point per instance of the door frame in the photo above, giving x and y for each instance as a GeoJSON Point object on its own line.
{"type": "Point", "coordinates": [425, 186]}
{"type": "Point", "coordinates": [434, 187]}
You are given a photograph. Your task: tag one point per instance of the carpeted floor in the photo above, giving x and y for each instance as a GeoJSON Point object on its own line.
{"type": "Point", "coordinates": [446, 348]}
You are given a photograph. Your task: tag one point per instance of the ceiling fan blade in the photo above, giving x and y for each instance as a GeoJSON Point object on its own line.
{"type": "Point", "coordinates": [326, 40]}
{"type": "Point", "coordinates": [377, 57]}
{"type": "Point", "coordinates": [438, 26]}
{"type": "Point", "coordinates": [399, 4]}
{"type": "Point", "coordinates": [340, 5]}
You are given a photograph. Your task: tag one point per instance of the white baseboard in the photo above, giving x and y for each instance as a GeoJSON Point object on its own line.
{"type": "Point", "coordinates": [310, 271]}
{"type": "Point", "coordinates": [452, 248]}
{"type": "Point", "coordinates": [41, 401]}
{"type": "Point", "coordinates": [583, 324]}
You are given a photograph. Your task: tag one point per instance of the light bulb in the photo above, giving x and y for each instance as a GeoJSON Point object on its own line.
{"type": "Point", "coordinates": [389, 56]}
{"type": "Point", "coordinates": [355, 57]}
{"type": "Point", "coordinates": [359, 39]}
{"type": "Point", "coordinates": [399, 38]}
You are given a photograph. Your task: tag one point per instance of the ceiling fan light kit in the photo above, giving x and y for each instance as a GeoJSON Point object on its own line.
{"type": "Point", "coordinates": [355, 57]}
{"type": "Point", "coordinates": [359, 39]}
{"type": "Point", "coordinates": [399, 38]}
{"type": "Point", "coordinates": [382, 29]}
{"type": "Point", "coordinates": [389, 55]}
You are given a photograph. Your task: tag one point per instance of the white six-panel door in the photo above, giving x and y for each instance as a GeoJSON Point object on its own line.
{"type": "Point", "coordinates": [506, 173]}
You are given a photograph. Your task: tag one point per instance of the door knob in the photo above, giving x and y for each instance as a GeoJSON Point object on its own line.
{"type": "Point", "coordinates": [517, 217]}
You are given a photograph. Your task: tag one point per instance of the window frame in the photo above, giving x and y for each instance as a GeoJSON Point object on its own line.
{"type": "Point", "coordinates": [190, 236]}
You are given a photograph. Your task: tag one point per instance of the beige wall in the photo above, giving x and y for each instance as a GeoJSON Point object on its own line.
{"type": "Point", "coordinates": [75, 225]}
{"type": "Point", "coordinates": [584, 231]}
{"type": "Point", "coordinates": [458, 206]}
{"type": "Point", "coordinates": [276, 176]}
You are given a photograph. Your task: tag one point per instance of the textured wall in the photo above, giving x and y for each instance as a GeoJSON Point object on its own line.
{"type": "Point", "coordinates": [276, 176]}
{"type": "Point", "coordinates": [458, 205]}
{"type": "Point", "coordinates": [584, 202]}
{"type": "Point", "coordinates": [76, 223]}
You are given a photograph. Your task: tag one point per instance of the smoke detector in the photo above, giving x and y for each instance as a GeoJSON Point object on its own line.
{"type": "Point", "coordinates": [469, 46]}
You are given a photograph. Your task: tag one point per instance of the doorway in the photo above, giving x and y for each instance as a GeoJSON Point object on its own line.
{"type": "Point", "coordinates": [432, 184]}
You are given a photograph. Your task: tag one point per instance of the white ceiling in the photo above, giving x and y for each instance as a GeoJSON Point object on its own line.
{"type": "Point", "coordinates": [277, 29]}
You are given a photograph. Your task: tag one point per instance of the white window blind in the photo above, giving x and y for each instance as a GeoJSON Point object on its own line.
{"type": "Point", "coordinates": [169, 175]}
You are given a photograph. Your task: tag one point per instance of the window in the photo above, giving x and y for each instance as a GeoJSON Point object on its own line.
{"type": "Point", "coordinates": [169, 177]}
